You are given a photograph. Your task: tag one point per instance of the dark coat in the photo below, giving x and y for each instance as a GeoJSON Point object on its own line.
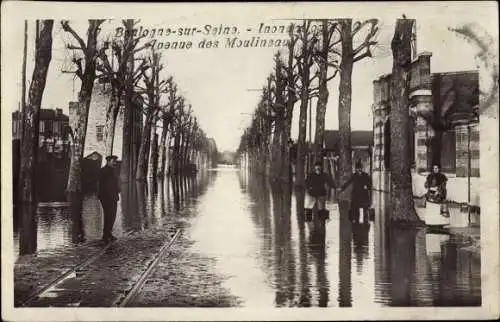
{"type": "Point", "coordinates": [361, 189]}
{"type": "Point", "coordinates": [315, 184]}
{"type": "Point", "coordinates": [436, 180]}
{"type": "Point", "coordinates": [108, 185]}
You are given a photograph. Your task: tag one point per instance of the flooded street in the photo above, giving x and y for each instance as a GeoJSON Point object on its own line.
{"type": "Point", "coordinates": [245, 244]}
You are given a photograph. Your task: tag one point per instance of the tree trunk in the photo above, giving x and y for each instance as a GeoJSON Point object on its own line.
{"type": "Point", "coordinates": [163, 149]}
{"type": "Point", "coordinates": [111, 116]}
{"type": "Point", "coordinates": [31, 113]}
{"type": "Point", "coordinates": [304, 73]}
{"type": "Point", "coordinates": [30, 128]}
{"type": "Point", "coordinates": [402, 206]}
{"type": "Point", "coordinates": [128, 159]}
{"type": "Point", "coordinates": [153, 159]}
{"type": "Point", "coordinates": [276, 147]}
{"type": "Point", "coordinates": [323, 96]}
{"type": "Point", "coordinates": [175, 154]}
{"type": "Point", "coordinates": [345, 93]}
{"type": "Point", "coordinates": [301, 142]}
{"type": "Point", "coordinates": [82, 111]}
{"type": "Point", "coordinates": [142, 164]}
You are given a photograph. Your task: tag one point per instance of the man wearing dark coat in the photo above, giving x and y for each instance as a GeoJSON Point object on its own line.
{"type": "Point", "coordinates": [361, 192]}
{"type": "Point", "coordinates": [317, 185]}
{"type": "Point", "coordinates": [108, 193]}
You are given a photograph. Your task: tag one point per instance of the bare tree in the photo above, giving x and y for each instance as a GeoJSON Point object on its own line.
{"type": "Point", "coordinates": [133, 107]}
{"type": "Point", "coordinates": [348, 56]}
{"type": "Point", "coordinates": [167, 117]}
{"type": "Point", "coordinates": [305, 62]}
{"type": "Point", "coordinates": [30, 125]}
{"type": "Point", "coordinates": [113, 70]}
{"type": "Point", "coordinates": [402, 205]}
{"type": "Point", "coordinates": [86, 71]}
{"type": "Point", "coordinates": [154, 88]}
{"type": "Point", "coordinates": [324, 61]}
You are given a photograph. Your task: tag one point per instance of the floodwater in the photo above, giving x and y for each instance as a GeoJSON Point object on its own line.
{"type": "Point", "coordinates": [271, 257]}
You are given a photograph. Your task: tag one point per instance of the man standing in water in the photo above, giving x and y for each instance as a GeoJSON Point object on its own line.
{"type": "Point", "coordinates": [361, 192]}
{"type": "Point", "coordinates": [108, 195]}
{"type": "Point", "coordinates": [317, 184]}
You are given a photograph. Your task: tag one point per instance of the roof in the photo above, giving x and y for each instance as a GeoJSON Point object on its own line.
{"type": "Point", "coordinates": [358, 138]}
{"type": "Point", "coordinates": [45, 114]}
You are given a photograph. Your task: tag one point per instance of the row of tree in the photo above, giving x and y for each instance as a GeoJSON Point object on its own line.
{"type": "Point", "coordinates": [149, 103]}
{"type": "Point", "coordinates": [314, 57]}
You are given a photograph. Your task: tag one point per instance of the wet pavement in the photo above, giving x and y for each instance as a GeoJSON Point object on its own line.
{"type": "Point", "coordinates": [243, 243]}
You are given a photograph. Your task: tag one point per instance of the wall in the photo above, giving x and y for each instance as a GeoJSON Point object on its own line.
{"type": "Point", "coordinates": [97, 116]}
{"type": "Point", "coordinates": [456, 186]}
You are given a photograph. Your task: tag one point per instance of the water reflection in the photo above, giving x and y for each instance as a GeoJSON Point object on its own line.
{"type": "Point", "coordinates": [141, 205]}
{"type": "Point", "coordinates": [344, 255]}
{"type": "Point", "coordinates": [419, 267]}
{"type": "Point", "coordinates": [368, 264]}
{"type": "Point", "coordinates": [257, 235]}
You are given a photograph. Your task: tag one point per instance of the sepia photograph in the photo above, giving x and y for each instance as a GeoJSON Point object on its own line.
{"type": "Point", "coordinates": [250, 161]}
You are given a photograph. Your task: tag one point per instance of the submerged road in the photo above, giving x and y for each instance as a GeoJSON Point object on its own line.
{"type": "Point", "coordinates": [242, 243]}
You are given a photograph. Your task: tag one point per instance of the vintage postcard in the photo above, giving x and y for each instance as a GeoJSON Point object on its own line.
{"type": "Point", "coordinates": [250, 161]}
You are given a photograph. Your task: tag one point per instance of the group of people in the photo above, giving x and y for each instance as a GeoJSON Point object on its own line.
{"type": "Point", "coordinates": [318, 184]}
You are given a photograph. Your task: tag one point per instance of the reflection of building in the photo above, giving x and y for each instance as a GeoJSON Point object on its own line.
{"type": "Point", "coordinates": [445, 129]}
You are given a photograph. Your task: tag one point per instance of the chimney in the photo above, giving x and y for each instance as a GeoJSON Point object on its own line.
{"type": "Point", "coordinates": [58, 112]}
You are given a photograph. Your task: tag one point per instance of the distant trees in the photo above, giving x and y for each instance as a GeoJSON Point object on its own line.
{"type": "Point", "coordinates": [139, 87]}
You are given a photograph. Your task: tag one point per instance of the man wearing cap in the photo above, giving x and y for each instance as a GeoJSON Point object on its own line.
{"type": "Point", "coordinates": [108, 195]}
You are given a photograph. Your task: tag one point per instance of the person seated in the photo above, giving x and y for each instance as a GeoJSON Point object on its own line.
{"type": "Point", "coordinates": [436, 185]}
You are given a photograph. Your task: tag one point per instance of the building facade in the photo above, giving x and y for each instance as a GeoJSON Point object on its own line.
{"type": "Point", "coordinates": [95, 140]}
{"type": "Point", "coordinates": [361, 146]}
{"type": "Point", "coordinates": [444, 129]}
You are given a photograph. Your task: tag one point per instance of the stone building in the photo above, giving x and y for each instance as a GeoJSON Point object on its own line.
{"type": "Point", "coordinates": [95, 140]}
{"type": "Point", "coordinates": [52, 128]}
{"type": "Point", "coordinates": [444, 129]}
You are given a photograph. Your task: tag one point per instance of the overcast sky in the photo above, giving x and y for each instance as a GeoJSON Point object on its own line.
{"type": "Point", "coordinates": [217, 81]}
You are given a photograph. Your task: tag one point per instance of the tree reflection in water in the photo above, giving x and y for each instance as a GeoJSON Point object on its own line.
{"type": "Point", "coordinates": [28, 228]}
{"type": "Point", "coordinates": [284, 260]}
{"type": "Point", "coordinates": [76, 204]}
{"type": "Point", "coordinates": [317, 247]}
{"type": "Point", "coordinates": [361, 243]}
{"type": "Point", "coordinates": [345, 296]}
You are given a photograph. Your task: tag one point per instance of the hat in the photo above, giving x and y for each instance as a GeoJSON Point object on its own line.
{"type": "Point", "coordinates": [318, 164]}
{"type": "Point", "coordinates": [111, 157]}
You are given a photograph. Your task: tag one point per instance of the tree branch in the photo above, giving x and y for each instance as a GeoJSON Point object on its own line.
{"type": "Point", "coordinates": [67, 28]}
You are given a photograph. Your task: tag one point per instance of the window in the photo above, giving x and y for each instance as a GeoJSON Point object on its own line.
{"type": "Point", "coordinates": [448, 152]}
{"type": "Point", "coordinates": [100, 132]}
